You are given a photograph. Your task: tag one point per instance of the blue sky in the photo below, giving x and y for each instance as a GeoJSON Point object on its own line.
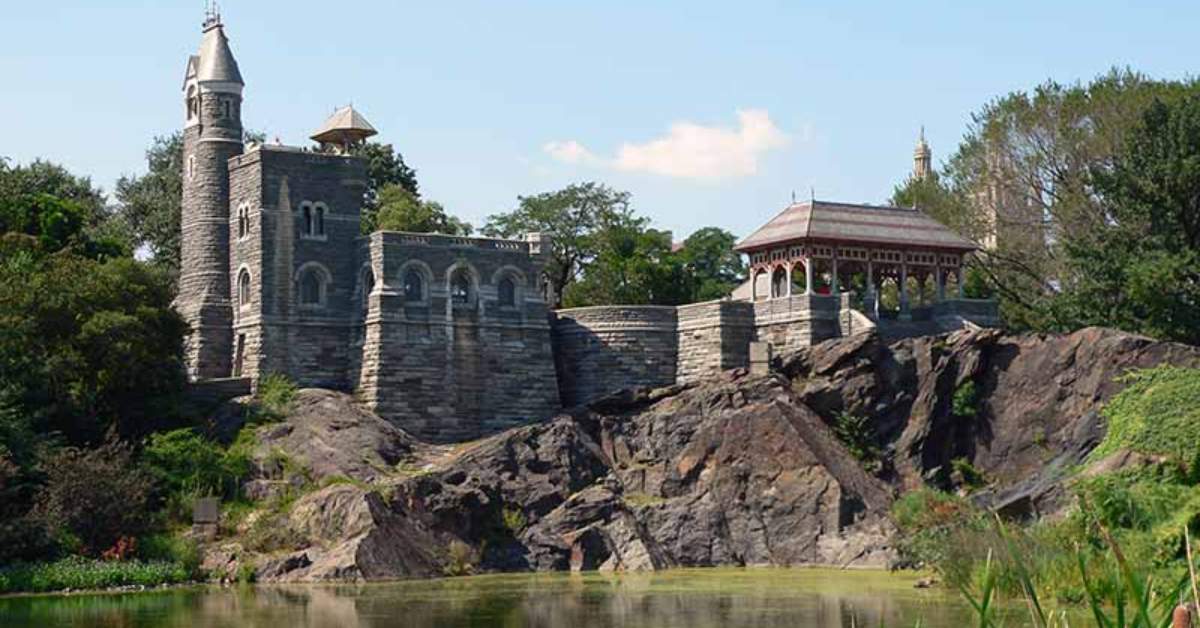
{"type": "Point", "coordinates": [709, 113]}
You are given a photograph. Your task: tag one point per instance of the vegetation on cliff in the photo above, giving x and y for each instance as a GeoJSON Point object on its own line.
{"type": "Point", "coordinates": [1135, 499]}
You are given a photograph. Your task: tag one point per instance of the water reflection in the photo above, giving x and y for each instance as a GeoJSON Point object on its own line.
{"type": "Point", "coordinates": [683, 598]}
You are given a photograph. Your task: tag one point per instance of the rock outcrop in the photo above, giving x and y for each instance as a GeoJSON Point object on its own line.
{"type": "Point", "coordinates": [736, 470]}
{"type": "Point", "coordinates": [1032, 416]}
{"type": "Point", "coordinates": [731, 472]}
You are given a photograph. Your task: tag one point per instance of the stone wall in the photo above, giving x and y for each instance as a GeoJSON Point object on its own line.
{"type": "Point", "coordinates": [713, 337]}
{"type": "Point", "coordinates": [602, 349]}
{"type": "Point", "coordinates": [447, 370]}
{"type": "Point", "coordinates": [797, 321]}
{"type": "Point", "coordinates": [599, 350]}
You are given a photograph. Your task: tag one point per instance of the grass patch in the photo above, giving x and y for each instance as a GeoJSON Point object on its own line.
{"type": "Point", "coordinates": [81, 573]}
{"type": "Point", "coordinates": [639, 500]}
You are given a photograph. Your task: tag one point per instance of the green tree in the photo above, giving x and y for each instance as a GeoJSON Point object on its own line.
{"type": "Point", "coordinates": [634, 265]}
{"type": "Point", "coordinates": [574, 217]}
{"type": "Point", "coordinates": [713, 267]}
{"type": "Point", "coordinates": [149, 205]}
{"type": "Point", "coordinates": [401, 210]}
{"type": "Point", "coordinates": [1032, 154]}
{"type": "Point", "coordinates": [385, 167]}
{"type": "Point", "coordinates": [86, 345]}
{"type": "Point", "coordinates": [1140, 270]}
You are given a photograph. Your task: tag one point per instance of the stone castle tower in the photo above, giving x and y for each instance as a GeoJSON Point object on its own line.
{"type": "Point", "coordinates": [212, 134]}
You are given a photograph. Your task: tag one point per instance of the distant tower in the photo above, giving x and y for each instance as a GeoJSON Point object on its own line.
{"type": "Point", "coordinates": [212, 134]}
{"type": "Point", "coordinates": [922, 158]}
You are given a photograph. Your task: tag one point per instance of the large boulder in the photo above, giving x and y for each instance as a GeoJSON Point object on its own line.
{"type": "Point", "coordinates": [332, 436]}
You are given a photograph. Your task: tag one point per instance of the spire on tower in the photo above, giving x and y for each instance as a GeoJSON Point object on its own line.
{"type": "Point", "coordinates": [922, 157]}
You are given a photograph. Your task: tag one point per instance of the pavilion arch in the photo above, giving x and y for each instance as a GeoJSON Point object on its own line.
{"type": "Point", "coordinates": [416, 281]}
{"type": "Point", "coordinates": [313, 282]}
{"type": "Point", "coordinates": [779, 282]}
{"type": "Point", "coordinates": [760, 289]}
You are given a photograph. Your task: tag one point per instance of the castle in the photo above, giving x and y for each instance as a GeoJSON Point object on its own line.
{"type": "Point", "coordinates": [451, 337]}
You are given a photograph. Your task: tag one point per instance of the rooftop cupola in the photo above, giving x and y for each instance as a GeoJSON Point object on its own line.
{"type": "Point", "coordinates": [344, 129]}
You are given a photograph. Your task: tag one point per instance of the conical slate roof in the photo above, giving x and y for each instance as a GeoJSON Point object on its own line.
{"type": "Point", "coordinates": [216, 59]}
{"type": "Point", "coordinates": [345, 124]}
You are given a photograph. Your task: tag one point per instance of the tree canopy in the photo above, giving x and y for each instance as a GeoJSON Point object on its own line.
{"type": "Point", "coordinates": [401, 210]}
{"type": "Point", "coordinates": [1042, 158]}
{"type": "Point", "coordinates": [603, 252]}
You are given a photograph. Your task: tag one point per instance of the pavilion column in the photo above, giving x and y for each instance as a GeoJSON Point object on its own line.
{"type": "Point", "coordinates": [958, 274]}
{"type": "Point", "coordinates": [833, 285]}
{"type": "Point", "coordinates": [788, 292]}
{"type": "Point", "coordinates": [905, 312]}
{"type": "Point", "coordinates": [940, 280]}
{"type": "Point", "coordinates": [870, 279]}
{"type": "Point", "coordinates": [808, 275]}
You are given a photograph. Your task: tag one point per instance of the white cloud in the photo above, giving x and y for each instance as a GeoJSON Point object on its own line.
{"type": "Point", "coordinates": [570, 152]}
{"type": "Point", "coordinates": [689, 150]}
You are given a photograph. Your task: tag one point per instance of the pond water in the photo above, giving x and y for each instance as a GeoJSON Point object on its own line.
{"type": "Point", "coordinates": [693, 598]}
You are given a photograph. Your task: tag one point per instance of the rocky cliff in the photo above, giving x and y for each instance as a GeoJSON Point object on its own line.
{"type": "Point", "coordinates": [737, 470]}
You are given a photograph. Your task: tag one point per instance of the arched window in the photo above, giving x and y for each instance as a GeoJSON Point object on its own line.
{"type": "Point", "coordinates": [312, 287]}
{"type": "Point", "coordinates": [507, 292]}
{"type": "Point", "coordinates": [320, 219]}
{"type": "Point", "coordinates": [460, 288]}
{"type": "Point", "coordinates": [243, 288]}
{"type": "Point", "coordinates": [243, 221]}
{"type": "Point", "coordinates": [414, 289]}
{"type": "Point", "coordinates": [191, 169]}
{"type": "Point", "coordinates": [307, 211]}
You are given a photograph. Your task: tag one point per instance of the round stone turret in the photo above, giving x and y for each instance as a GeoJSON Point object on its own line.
{"type": "Point", "coordinates": [212, 134]}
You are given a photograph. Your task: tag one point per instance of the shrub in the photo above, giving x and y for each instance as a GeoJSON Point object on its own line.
{"type": "Point", "coordinates": [971, 477]}
{"type": "Point", "coordinates": [858, 435]}
{"type": "Point", "coordinates": [187, 463]}
{"type": "Point", "coordinates": [273, 399]}
{"type": "Point", "coordinates": [964, 404]}
{"type": "Point", "coordinates": [460, 559]}
{"type": "Point", "coordinates": [1157, 413]}
{"type": "Point", "coordinates": [94, 497]}
{"type": "Point", "coordinates": [514, 520]}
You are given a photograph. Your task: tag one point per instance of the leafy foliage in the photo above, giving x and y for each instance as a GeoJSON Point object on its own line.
{"type": "Point", "coordinates": [574, 216]}
{"type": "Point", "coordinates": [75, 572]}
{"type": "Point", "coordinates": [385, 167]}
{"type": "Point", "coordinates": [1157, 413]}
{"type": "Point", "coordinates": [858, 435]}
{"type": "Point", "coordinates": [87, 345]}
{"type": "Point", "coordinates": [94, 496]}
{"type": "Point", "coordinates": [604, 253]}
{"type": "Point", "coordinates": [401, 210]}
{"type": "Point", "coordinates": [150, 205]}
{"type": "Point", "coordinates": [965, 402]}
{"type": "Point", "coordinates": [186, 464]}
